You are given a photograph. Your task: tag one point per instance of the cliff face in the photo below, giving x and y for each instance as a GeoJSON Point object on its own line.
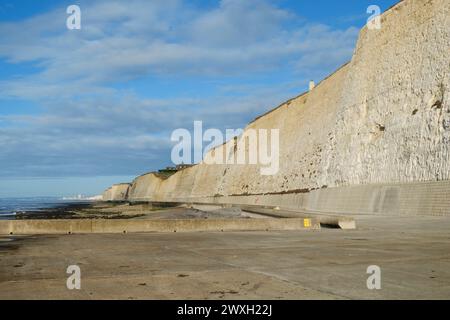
{"type": "Point", "coordinates": [118, 192]}
{"type": "Point", "coordinates": [382, 118]}
{"type": "Point", "coordinates": [393, 117]}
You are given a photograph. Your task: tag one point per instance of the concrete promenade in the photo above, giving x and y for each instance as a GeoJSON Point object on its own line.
{"type": "Point", "coordinates": [413, 254]}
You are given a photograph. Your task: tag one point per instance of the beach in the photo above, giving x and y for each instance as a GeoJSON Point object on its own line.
{"type": "Point", "coordinates": [124, 210]}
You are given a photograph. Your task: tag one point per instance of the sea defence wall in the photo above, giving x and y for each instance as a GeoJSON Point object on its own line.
{"type": "Point", "coordinates": [373, 137]}
{"type": "Point", "coordinates": [83, 226]}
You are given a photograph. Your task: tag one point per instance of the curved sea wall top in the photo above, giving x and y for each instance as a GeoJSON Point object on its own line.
{"type": "Point", "coordinates": [382, 118]}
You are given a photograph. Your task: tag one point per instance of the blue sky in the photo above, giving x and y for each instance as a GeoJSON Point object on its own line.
{"type": "Point", "coordinates": [82, 109]}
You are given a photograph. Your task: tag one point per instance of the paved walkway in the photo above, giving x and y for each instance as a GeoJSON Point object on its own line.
{"type": "Point", "coordinates": [414, 256]}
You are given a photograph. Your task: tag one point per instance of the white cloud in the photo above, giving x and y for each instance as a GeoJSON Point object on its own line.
{"type": "Point", "coordinates": [89, 120]}
{"type": "Point", "coordinates": [124, 40]}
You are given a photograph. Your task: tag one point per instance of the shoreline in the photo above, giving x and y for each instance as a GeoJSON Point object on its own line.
{"type": "Point", "coordinates": [74, 211]}
{"type": "Point", "coordinates": [124, 210]}
{"type": "Point", "coordinates": [62, 211]}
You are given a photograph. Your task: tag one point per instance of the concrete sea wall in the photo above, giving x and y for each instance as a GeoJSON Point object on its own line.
{"type": "Point", "coordinates": [374, 137]}
{"type": "Point", "coordinates": [83, 226]}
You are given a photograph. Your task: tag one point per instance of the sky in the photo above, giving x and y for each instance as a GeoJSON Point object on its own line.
{"type": "Point", "coordinates": [83, 109]}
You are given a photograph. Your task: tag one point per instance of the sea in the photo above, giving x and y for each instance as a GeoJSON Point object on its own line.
{"type": "Point", "coordinates": [9, 207]}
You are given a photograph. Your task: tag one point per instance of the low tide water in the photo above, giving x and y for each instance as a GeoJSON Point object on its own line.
{"type": "Point", "coordinates": [9, 207]}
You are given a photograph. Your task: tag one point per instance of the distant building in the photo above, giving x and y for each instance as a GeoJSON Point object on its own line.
{"type": "Point", "coordinates": [183, 166]}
